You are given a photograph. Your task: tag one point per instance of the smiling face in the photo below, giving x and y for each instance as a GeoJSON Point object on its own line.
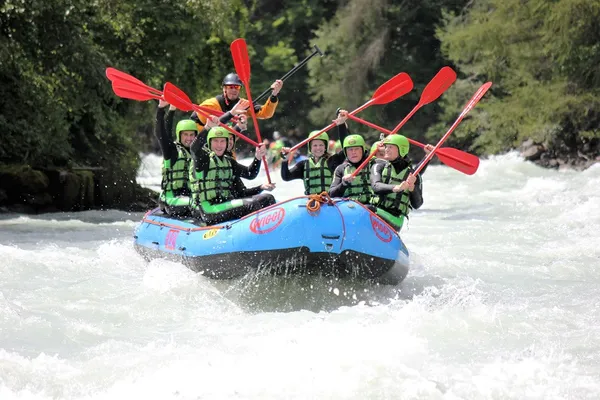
{"type": "Point", "coordinates": [354, 154]}
{"type": "Point", "coordinates": [218, 145]}
{"type": "Point", "coordinates": [317, 148]}
{"type": "Point", "coordinates": [231, 92]}
{"type": "Point", "coordinates": [187, 137]}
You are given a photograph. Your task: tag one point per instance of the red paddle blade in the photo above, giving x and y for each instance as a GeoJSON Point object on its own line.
{"type": "Point", "coordinates": [134, 93]}
{"type": "Point", "coordinates": [434, 89]}
{"type": "Point", "coordinates": [438, 85]}
{"type": "Point", "coordinates": [394, 88]}
{"type": "Point", "coordinates": [474, 100]}
{"type": "Point", "coordinates": [174, 95]}
{"type": "Point", "coordinates": [114, 74]}
{"type": "Point", "coordinates": [136, 87]}
{"type": "Point", "coordinates": [241, 62]}
{"type": "Point", "coordinates": [459, 160]}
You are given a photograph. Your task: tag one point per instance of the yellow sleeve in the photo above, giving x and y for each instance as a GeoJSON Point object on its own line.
{"type": "Point", "coordinates": [267, 110]}
{"type": "Point", "coordinates": [211, 103]}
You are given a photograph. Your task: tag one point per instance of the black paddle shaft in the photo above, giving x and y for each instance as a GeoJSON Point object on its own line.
{"type": "Point", "coordinates": [292, 71]}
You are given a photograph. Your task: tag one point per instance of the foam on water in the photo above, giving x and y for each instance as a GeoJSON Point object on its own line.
{"type": "Point", "coordinates": [502, 302]}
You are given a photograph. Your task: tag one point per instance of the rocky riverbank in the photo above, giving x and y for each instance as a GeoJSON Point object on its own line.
{"type": "Point", "coordinates": [24, 189]}
{"type": "Point", "coordinates": [579, 160]}
{"type": "Point", "coordinates": [28, 190]}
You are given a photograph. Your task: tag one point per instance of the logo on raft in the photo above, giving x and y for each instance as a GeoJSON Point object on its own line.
{"type": "Point", "coordinates": [382, 231]}
{"type": "Point", "coordinates": [266, 223]}
{"type": "Point", "coordinates": [171, 239]}
{"type": "Point", "coordinates": [210, 234]}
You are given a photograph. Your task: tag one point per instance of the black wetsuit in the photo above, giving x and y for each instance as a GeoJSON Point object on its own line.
{"type": "Point", "coordinates": [297, 171]}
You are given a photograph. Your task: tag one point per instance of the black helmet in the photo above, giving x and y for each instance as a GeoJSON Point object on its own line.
{"type": "Point", "coordinates": [231, 79]}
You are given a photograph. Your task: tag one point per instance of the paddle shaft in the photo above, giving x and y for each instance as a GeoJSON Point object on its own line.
{"type": "Point", "coordinates": [230, 129]}
{"type": "Point", "coordinates": [410, 114]}
{"type": "Point", "coordinates": [474, 100]}
{"type": "Point", "coordinates": [391, 90]}
{"type": "Point", "coordinates": [255, 121]}
{"type": "Point", "coordinates": [364, 163]}
{"type": "Point", "coordinates": [291, 72]}
{"type": "Point", "coordinates": [330, 126]}
{"type": "Point", "coordinates": [441, 152]}
{"type": "Point", "coordinates": [241, 62]}
{"type": "Point", "coordinates": [179, 99]}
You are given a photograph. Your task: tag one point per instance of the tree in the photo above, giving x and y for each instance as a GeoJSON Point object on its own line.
{"type": "Point", "coordinates": [369, 42]}
{"type": "Point", "coordinates": [543, 59]}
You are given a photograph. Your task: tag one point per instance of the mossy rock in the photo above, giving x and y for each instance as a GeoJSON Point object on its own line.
{"type": "Point", "coordinates": [23, 179]}
{"type": "Point", "coordinates": [76, 190]}
{"type": "Point", "coordinates": [71, 188]}
{"type": "Point", "coordinates": [86, 193]}
{"type": "Point", "coordinates": [23, 185]}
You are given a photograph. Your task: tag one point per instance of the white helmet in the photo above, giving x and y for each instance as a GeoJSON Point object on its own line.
{"type": "Point", "coordinates": [276, 135]}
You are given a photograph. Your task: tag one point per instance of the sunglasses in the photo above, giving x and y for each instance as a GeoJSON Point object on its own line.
{"type": "Point", "coordinates": [237, 87]}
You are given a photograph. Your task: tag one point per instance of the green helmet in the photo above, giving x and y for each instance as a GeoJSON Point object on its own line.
{"type": "Point", "coordinates": [217, 132]}
{"type": "Point", "coordinates": [323, 136]}
{"type": "Point", "coordinates": [184, 125]}
{"type": "Point", "coordinates": [374, 146]}
{"type": "Point", "coordinates": [399, 141]}
{"type": "Point", "coordinates": [354, 141]}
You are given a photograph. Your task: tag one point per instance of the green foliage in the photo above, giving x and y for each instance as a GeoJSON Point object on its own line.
{"type": "Point", "coordinates": [368, 42]}
{"type": "Point", "coordinates": [279, 36]}
{"type": "Point", "coordinates": [543, 59]}
{"type": "Point", "coordinates": [57, 107]}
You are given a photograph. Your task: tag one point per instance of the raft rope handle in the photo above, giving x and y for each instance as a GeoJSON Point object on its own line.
{"type": "Point", "coordinates": [315, 200]}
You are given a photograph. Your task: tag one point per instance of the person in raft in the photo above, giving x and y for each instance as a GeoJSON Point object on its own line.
{"type": "Point", "coordinates": [396, 189]}
{"type": "Point", "coordinates": [175, 192]}
{"type": "Point", "coordinates": [213, 178]}
{"type": "Point", "coordinates": [316, 171]}
{"type": "Point", "coordinates": [344, 184]}
{"type": "Point", "coordinates": [224, 102]}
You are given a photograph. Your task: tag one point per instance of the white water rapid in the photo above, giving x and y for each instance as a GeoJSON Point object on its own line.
{"type": "Point", "coordinates": [502, 302]}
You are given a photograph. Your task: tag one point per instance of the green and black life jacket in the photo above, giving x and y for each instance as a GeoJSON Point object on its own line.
{"type": "Point", "coordinates": [175, 178]}
{"type": "Point", "coordinates": [360, 188]}
{"type": "Point", "coordinates": [214, 184]}
{"type": "Point", "coordinates": [395, 203]}
{"type": "Point", "coordinates": [317, 176]}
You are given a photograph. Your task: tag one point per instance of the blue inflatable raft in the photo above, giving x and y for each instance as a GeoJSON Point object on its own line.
{"type": "Point", "coordinates": [308, 235]}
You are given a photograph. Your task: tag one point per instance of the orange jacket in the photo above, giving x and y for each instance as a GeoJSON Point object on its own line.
{"type": "Point", "coordinates": [218, 103]}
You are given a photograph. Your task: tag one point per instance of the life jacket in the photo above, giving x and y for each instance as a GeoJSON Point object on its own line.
{"type": "Point", "coordinates": [214, 184]}
{"type": "Point", "coordinates": [175, 178]}
{"type": "Point", "coordinates": [395, 203]}
{"type": "Point", "coordinates": [360, 188]}
{"type": "Point", "coordinates": [317, 176]}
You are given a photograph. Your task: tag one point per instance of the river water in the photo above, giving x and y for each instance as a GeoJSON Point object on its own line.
{"type": "Point", "coordinates": [502, 302]}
